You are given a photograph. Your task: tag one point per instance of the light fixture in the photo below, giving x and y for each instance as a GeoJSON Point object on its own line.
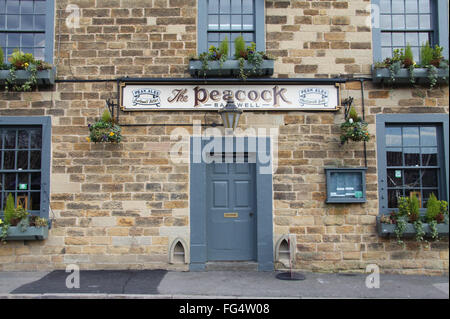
{"type": "Point", "coordinates": [230, 114]}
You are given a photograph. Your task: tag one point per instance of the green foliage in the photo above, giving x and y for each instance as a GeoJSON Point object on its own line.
{"type": "Point", "coordinates": [239, 48]}
{"type": "Point", "coordinates": [2, 59]}
{"type": "Point", "coordinates": [223, 47]}
{"type": "Point", "coordinates": [433, 226]}
{"type": "Point", "coordinates": [420, 232]}
{"type": "Point", "coordinates": [426, 54]}
{"type": "Point", "coordinates": [437, 53]}
{"type": "Point", "coordinates": [353, 115]}
{"type": "Point", "coordinates": [9, 209]}
{"type": "Point", "coordinates": [106, 116]}
{"type": "Point", "coordinates": [354, 128]}
{"type": "Point", "coordinates": [20, 60]}
{"type": "Point", "coordinates": [433, 208]}
{"type": "Point", "coordinates": [408, 53]}
{"type": "Point", "coordinates": [414, 207]}
{"type": "Point", "coordinates": [400, 227]}
{"type": "Point", "coordinates": [102, 131]}
{"type": "Point", "coordinates": [403, 206]}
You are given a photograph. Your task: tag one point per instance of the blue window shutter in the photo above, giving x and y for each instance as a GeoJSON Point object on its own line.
{"type": "Point", "coordinates": [49, 30]}
{"type": "Point", "coordinates": [376, 33]}
{"type": "Point", "coordinates": [442, 22]}
{"type": "Point", "coordinates": [259, 25]}
{"type": "Point", "coordinates": [202, 26]}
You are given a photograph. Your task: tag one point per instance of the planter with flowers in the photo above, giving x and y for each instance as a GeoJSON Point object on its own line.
{"type": "Point", "coordinates": [105, 130]}
{"type": "Point", "coordinates": [24, 72]}
{"type": "Point", "coordinates": [402, 69]}
{"type": "Point", "coordinates": [247, 62]}
{"type": "Point", "coordinates": [18, 224]}
{"type": "Point", "coordinates": [354, 128]}
{"type": "Point", "coordinates": [407, 221]}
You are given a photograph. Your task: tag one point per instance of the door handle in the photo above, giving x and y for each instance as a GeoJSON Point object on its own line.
{"type": "Point", "coordinates": [250, 214]}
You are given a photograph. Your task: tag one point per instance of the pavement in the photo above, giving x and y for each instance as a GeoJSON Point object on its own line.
{"type": "Point", "coordinates": [162, 284]}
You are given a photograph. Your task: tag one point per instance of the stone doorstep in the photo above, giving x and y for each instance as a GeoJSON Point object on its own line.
{"type": "Point", "coordinates": [231, 266]}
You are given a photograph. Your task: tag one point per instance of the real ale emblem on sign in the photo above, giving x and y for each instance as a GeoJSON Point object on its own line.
{"type": "Point", "coordinates": [174, 96]}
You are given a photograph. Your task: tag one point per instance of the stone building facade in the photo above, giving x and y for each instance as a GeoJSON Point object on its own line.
{"type": "Point", "coordinates": [127, 205]}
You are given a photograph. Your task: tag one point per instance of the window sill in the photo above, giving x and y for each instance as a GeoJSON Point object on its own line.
{"type": "Point", "coordinates": [383, 75]}
{"type": "Point", "coordinates": [31, 233]}
{"type": "Point", "coordinates": [388, 230]}
{"type": "Point", "coordinates": [44, 77]}
{"type": "Point", "coordinates": [230, 68]}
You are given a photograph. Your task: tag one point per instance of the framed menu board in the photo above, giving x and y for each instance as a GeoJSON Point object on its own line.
{"type": "Point", "coordinates": [346, 185]}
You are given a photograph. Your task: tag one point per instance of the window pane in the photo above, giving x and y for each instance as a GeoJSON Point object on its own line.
{"type": "Point", "coordinates": [35, 160]}
{"type": "Point", "coordinates": [425, 21]}
{"type": "Point", "coordinates": [412, 156]}
{"type": "Point", "coordinates": [12, 22]}
{"type": "Point", "coordinates": [224, 22]}
{"type": "Point", "coordinates": [236, 6]}
{"type": "Point", "coordinates": [23, 179]}
{"type": "Point", "coordinates": [36, 139]}
{"type": "Point", "coordinates": [14, 40]}
{"type": "Point", "coordinates": [393, 136]}
{"type": "Point", "coordinates": [10, 139]}
{"type": "Point", "coordinates": [411, 6]}
{"type": "Point", "coordinates": [424, 6]}
{"type": "Point", "coordinates": [26, 7]}
{"type": "Point", "coordinates": [394, 178]}
{"type": "Point", "coordinates": [35, 201]}
{"type": "Point", "coordinates": [2, 22]}
{"type": "Point", "coordinates": [8, 159]}
{"type": "Point", "coordinates": [393, 195]}
{"type": "Point", "coordinates": [398, 6]}
{"type": "Point", "coordinates": [27, 40]}
{"type": "Point", "coordinates": [417, 192]}
{"type": "Point", "coordinates": [22, 200]}
{"type": "Point", "coordinates": [398, 39]}
{"type": "Point", "coordinates": [12, 6]}
{"type": "Point", "coordinates": [429, 178]}
{"type": "Point", "coordinates": [412, 22]}
{"type": "Point", "coordinates": [385, 22]}
{"type": "Point", "coordinates": [224, 6]}
{"type": "Point", "coordinates": [39, 40]}
{"type": "Point", "coordinates": [213, 22]}
{"type": "Point", "coordinates": [386, 39]}
{"type": "Point", "coordinates": [412, 178]}
{"type": "Point", "coordinates": [35, 181]}
{"type": "Point", "coordinates": [247, 22]}
{"type": "Point", "coordinates": [412, 39]}
{"type": "Point", "coordinates": [385, 6]}
{"type": "Point", "coordinates": [10, 181]}
{"type": "Point", "coordinates": [39, 22]}
{"type": "Point", "coordinates": [213, 6]}
{"type": "Point", "coordinates": [428, 136]}
{"type": "Point", "coordinates": [236, 22]}
{"type": "Point", "coordinates": [23, 139]}
{"type": "Point", "coordinates": [39, 6]}
{"type": "Point", "coordinates": [410, 136]}
{"type": "Point", "coordinates": [247, 6]}
{"type": "Point", "coordinates": [398, 22]}
{"type": "Point", "coordinates": [386, 53]}
{"type": "Point", "coordinates": [423, 38]}
{"type": "Point", "coordinates": [22, 160]}
{"type": "Point", "coordinates": [26, 22]}
{"type": "Point", "coordinates": [429, 156]}
{"type": "Point", "coordinates": [394, 157]}
{"type": "Point", "coordinates": [213, 37]}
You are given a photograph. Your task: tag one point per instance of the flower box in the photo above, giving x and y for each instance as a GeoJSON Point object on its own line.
{"type": "Point", "coordinates": [31, 233]}
{"type": "Point", "coordinates": [44, 77]}
{"type": "Point", "coordinates": [230, 68]}
{"type": "Point", "coordinates": [388, 230]}
{"type": "Point", "coordinates": [383, 75]}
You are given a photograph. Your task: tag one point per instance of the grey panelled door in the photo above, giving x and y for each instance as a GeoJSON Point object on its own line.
{"type": "Point", "coordinates": [231, 211]}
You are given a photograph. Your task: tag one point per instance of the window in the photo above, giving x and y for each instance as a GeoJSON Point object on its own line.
{"type": "Point", "coordinates": [412, 158]}
{"type": "Point", "coordinates": [27, 25]}
{"type": "Point", "coordinates": [220, 19]}
{"type": "Point", "coordinates": [25, 163]}
{"type": "Point", "coordinates": [412, 22]}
